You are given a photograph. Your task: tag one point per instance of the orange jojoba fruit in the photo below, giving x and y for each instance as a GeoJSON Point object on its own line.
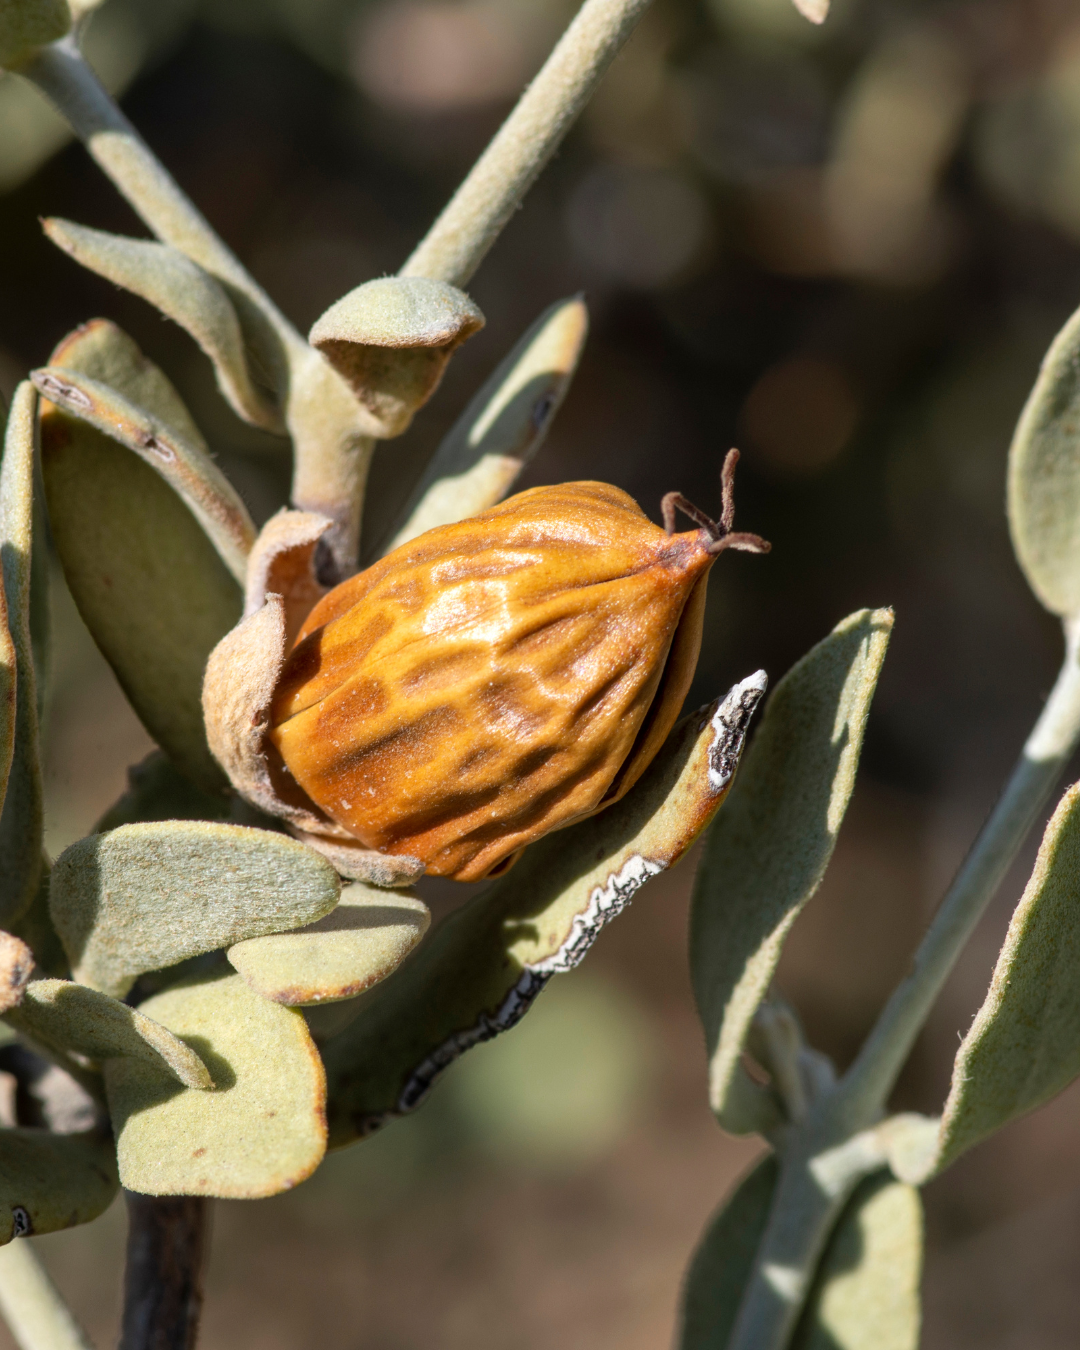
{"type": "Point", "coordinates": [493, 680]}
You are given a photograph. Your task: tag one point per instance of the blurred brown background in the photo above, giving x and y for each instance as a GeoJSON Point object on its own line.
{"type": "Point", "coordinates": [843, 249]}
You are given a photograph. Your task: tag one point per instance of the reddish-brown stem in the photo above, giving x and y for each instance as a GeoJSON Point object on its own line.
{"type": "Point", "coordinates": [167, 1238]}
{"type": "Point", "coordinates": [718, 532]}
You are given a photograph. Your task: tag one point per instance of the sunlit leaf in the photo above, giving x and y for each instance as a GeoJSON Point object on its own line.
{"type": "Point", "coordinates": [185, 465]}
{"type": "Point", "coordinates": [144, 897]}
{"type": "Point", "coordinates": [22, 820]}
{"type": "Point", "coordinates": [1044, 478]}
{"type": "Point", "coordinates": [57, 1014]}
{"type": "Point", "coordinates": [53, 1181]}
{"type": "Point", "coordinates": [480, 971]}
{"type": "Point", "coordinates": [262, 1129]}
{"type": "Point", "coordinates": [337, 957]}
{"type": "Point", "coordinates": [503, 426]}
{"type": "Point", "coordinates": [182, 291]}
{"type": "Point", "coordinates": [390, 340]}
{"type": "Point", "coordinates": [866, 1294]}
{"type": "Point", "coordinates": [721, 1265]}
{"type": "Point", "coordinates": [1024, 1045]}
{"type": "Point", "coordinates": [768, 850]}
{"type": "Point", "coordinates": [147, 581]}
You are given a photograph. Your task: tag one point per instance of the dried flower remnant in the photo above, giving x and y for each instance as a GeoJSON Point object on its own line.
{"type": "Point", "coordinates": [502, 677]}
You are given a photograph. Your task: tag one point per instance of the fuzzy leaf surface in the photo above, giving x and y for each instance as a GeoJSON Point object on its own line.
{"type": "Point", "coordinates": [144, 897]}
{"type": "Point", "coordinates": [339, 956]}
{"type": "Point", "coordinates": [866, 1294]}
{"type": "Point", "coordinates": [184, 464]}
{"type": "Point", "coordinates": [26, 25]}
{"type": "Point", "coordinates": [720, 1267]}
{"type": "Point", "coordinates": [58, 1014]}
{"type": "Point", "coordinates": [503, 426]}
{"type": "Point", "coordinates": [1043, 481]}
{"type": "Point", "coordinates": [481, 970]}
{"type": "Point", "coordinates": [53, 1181]}
{"type": "Point", "coordinates": [147, 581]}
{"type": "Point", "coordinates": [263, 1128]}
{"type": "Point", "coordinates": [22, 817]}
{"type": "Point", "coordinates": [183, 292]}
{"type": "Point", "coordinates": [769, 848]}
{"type": "Point", "coordinates": [1024, 1044]}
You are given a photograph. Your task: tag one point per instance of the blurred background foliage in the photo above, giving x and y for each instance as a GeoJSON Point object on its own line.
{"type": "Point", "coordinates": [844, 250]}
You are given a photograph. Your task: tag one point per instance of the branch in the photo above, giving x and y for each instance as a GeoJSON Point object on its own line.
{"type": "Point", "coordinates": [163, 1278]}
{"type": "Point", "coordinates": [457, 243]}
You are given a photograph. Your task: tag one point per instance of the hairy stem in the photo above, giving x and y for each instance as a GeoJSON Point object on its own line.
{"type": "Point", "coordinates": [867, 1084]}
{"type": "Point", "coordinates": [33, 1308]}
{"type": "Point", "coordinates": [322, 416]}
{"type": "Point", "coordinates": [456, 244]}
{"type": "Point", "coordinates": [163, 1279]}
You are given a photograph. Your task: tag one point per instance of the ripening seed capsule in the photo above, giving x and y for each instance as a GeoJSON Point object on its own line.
{"type": "Point", "coordinates": [499, 678]}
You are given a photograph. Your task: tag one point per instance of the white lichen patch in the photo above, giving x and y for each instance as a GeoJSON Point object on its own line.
{"type": "Point", "coordinates": [729, 725]}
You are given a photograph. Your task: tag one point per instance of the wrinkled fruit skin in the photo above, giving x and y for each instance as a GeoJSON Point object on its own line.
{"type": "Point", "coordinates": [496, 679]}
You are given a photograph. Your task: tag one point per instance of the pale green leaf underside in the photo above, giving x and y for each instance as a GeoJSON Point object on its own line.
{"type": "Point", "coordinates": [1044, 477]}
{"type": "Point", "coordinates": [482, 968]}
{"type": "Point", "coordinates": [865, 1295]}
{"type": "Point", "coordinates": [502, 427]}
{"type": "Point", "coordinates": [148, 583]}
{"type": "Point", "coordinates": [1024, 1045]}
{"type": "Point", "coordinates": [337, 957]}
{"type": "Point", "coordinates": [183, 292]}
{"type": "Point", "coordinates": [184, 464]}
{"type": "Point", "coordinates": [144, 897]}
{"type": "Point", "coordinates": [60, 1015]}
{"type": "Point", "coordinates": [56, 1180]}
{"type": "Point", "coordinates": [767, 852]}
{"type": "Point", "coordinates": [21, 820]}
{"type": "Point", "coordinates": [262, 1129]}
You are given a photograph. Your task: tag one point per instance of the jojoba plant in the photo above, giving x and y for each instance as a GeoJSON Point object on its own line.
{"type": "Point", "coordinates": [497, 695]}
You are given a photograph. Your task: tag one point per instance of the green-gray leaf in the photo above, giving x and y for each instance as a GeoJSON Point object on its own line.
{"type": "Point", "coordinates": [183, 292]}
{"type": "Point", "coordinates": [157, 790]}
{"type": "Point", "coordinates": [22, 820]}
{"type": "Point", "coordinates": [503, 426]}
{"type": "Point", "coordinates": [1024, 1045]}
{"type": "Point", "coordinates": [60, 1015]}
{"type": "Point", "coordinates": [358, 944]}
{"type": "Point", "coordinates": [261, 1131]}
{"type": "Point", "coordinates": [720, 1268]}
{"type": "Point", "coordinates": [1044, 478]}
{"type": "Point", "coordinates": [481, 970]}
{"type": "Point", "coordinates": [185, 465]}
{"type": "Point", "coordinates": [35, 927]}
{"type": "Point", "coordinates": [866, 1293]}
{"type": "Point", "coordinates": [147, 581]}
{"type": "Point", "coordinates": [768, 850]}
{"type": "Point", "coordinates": [144, 897]}
{"type": "Point", "coordinates": [53, 1181]}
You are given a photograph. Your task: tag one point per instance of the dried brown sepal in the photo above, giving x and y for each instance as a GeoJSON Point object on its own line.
{"type": "Point", "coordinates": [16, 967]}
{"type": "Point", "coordinates": [283, 561]}
{"type": "Point", "coordinates": [241, 676]}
